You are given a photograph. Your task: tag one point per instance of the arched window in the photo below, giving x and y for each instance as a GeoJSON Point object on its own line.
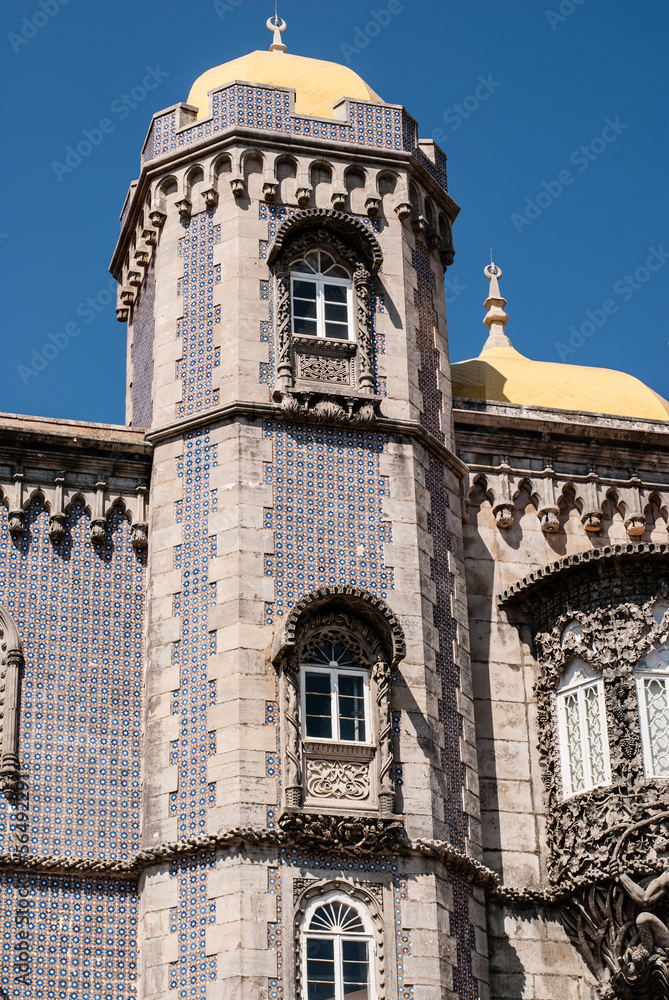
{"type": "Point", "coordinates": [335, 692]}
{"type": "Point", "coordinates": [338, 950]}
{"type": "Point", "coordinates": [652, 679]}
{"type": "Point", "coordinates": [321, 291]}
{"type": "Point", "coordinates": [584, 747]}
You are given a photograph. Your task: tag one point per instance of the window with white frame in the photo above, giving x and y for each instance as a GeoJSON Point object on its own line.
{"type": "Point", "coordinates": [338, 950]}
{"type": "Point", "coordinates": [584, 746]}
{"type": "Point", "coordinates": [321, 297]}
{"type": "Point", "coordinates": [652, 679]}
{"type": "Point", "coordinates": [335, 695]}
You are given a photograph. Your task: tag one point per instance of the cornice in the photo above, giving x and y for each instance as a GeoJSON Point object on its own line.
{"type": "Point", "coordinates": [273, 411]}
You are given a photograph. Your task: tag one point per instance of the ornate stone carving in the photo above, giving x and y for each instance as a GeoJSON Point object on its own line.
{"type": "Point", "coordinates": [139, 535]}
{"type": "Point", "coordinates": [356, 835]}
{"type": "Point", "coordinates": [592, 520]}
{"type": "Point", "coordinates": [419, 224]}
{"type": "Point", "coordinates": [372, 207]}
{"type": "Point", "coordinates": [549, 519]}
{"type": "Point", "coordinates": [338, 200]}
{"type": "Point", "coordinates": [292, 246]}
{"type": "Point", "coordinates": [321, 408]}
{"type": "Point", "coordinates": [238, 185]}
{"type": "Point", "coordinates": [184, 208]}
{"type": "Point", "coordinates": [338, 771]}
{"type": "Point", "coordinates": [269, 190]}
{"type": "Point", "coordinates": [621, 931]}
{"type": "Point", "coordinates": [57, 527]}
{"type": "Point", "coordinates": [16, 523]}
{"type": "Point", "coordinates": [99, 530]}
{"type": "Point", "coordinates": [336, 779]}
{"type": "Point", "coordinates": [403, 210]}
{"type": "Point", "coordinates": [157, 219]}
{"type": "Point", "coordinates": [504, 514]}
{"type": "Point", "coordinates": [303, 195]}
{"type": "Point", "coordinates": [317, 368]}
{"type": "Point", "coordinates": [134, 278]}
{"type": "Point", "coordinates": [11, 666]}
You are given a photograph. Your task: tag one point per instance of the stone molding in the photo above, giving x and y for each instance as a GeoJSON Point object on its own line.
{"type": "Point", "coordinates": [362, 240]}
{"type": "Point", "coordinates": [273, 411]}
{"type": "Point", "coordinates": [551, 489]}
{"type": "Point", "coordinates": [529, 593]}
{"type": "Point", "coordinates": [11, 668]}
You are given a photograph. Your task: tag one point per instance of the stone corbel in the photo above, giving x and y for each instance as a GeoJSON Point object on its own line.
{"type": "Point", "coordinates": [592, 517]}
{"type": "Point", "coordinates": [127, 296]}
{"type": "Point", "coordinates": [304, 196]}
{"type": "Point", "coordinates": [403, 210]}
{"type": "Point", "coordinates": [139, 532]}
{"type": "Point", "coordinates": [150, 237]}
{"type": "Point", "coordinates": [373, 207]}
{"type": "Point", "coordinates": [338, 201]}
{"type": "Point", "coordinates": [142, 256]}
{"type": "Point", "coordinates": [419, 224]}
{"type": "Point", "coordinates": [549, 511]}
{"type": "Point", "coordinates": [503, 509]}
{"type": "Point", "coordinates": [17, 514]}
{"type": "Point", "coordinates": [134, 278]}
{"type": "Point", "coordinates": [635, 522]}
{"type": "Point", "coordinates": [210, 197]}
{"type": "Point", "coordinates": [238, 185]}
{"type": "Point", "coordinates": [157, 218]}
{"type": "Point", "coordinates": [184, 208]}
{"type": "Point", "coordinates": [269, 190]}
{"type": "Point", "coordinates": [99, 521]}
{"type": "Point", "coordinates": [58, 518]}
{"type": "Point", "coordinates": [433, 239]}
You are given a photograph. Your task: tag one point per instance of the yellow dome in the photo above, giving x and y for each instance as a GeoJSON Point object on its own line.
{"type": "Point", "coordinates": [502, 375]}
{"type": "Point", "coordinates": [318, 85]}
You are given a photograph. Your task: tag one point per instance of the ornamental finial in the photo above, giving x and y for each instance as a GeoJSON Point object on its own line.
{"type": "Point", "coordinates": [276, 25]}
{"type": "Point", "coordinates": [495, 318]}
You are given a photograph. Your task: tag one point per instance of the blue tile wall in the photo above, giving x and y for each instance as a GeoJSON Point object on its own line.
{"type": "Point", "coordinates": [76, 937]}
{"type": "Point", "coordinates": [428, 375]}
{"type": "Point", "coordinates": [143, 331]}
{"type": "Point", "coordinates": [326, 517]}
{"type": "Point", "coordinates": [189, 975]}
{"type": "Point", "coordinates": [269, 109]}
{"type": "Point", "coordinates": [80, 612]}
{"type": "Point", "coordinates": [200, 314]}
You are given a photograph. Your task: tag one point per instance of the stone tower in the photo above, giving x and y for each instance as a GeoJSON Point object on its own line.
{"type": "Point", "coordinates": [310, 816]}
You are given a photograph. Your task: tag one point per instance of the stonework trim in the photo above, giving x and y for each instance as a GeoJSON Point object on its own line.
{"type": "Point", "coordinates": [350, 228]}
{"type": "Point", "coordinates": [526, 591]}
{"type": "Point", "coordinates": [354, 600]}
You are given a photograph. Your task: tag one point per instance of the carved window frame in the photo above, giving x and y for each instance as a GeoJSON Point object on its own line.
{"type": "Point", "coordinates": [11, 669]}
{"type": "Point", "coordinates": [335, 673]}
{"type": "Point", "coordinates": [370, 908]}
{"type": "Point", "coordinates": [352, 246]}
{"type": "Point", "coordinates": [332, 775]}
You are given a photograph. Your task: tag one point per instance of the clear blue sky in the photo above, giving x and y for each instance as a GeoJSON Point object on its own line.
{"type": "Point", "coordinates": [555, 71]}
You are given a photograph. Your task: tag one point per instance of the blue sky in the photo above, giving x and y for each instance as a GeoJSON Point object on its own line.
{"type": "Point", "coordinates": [553, 114]}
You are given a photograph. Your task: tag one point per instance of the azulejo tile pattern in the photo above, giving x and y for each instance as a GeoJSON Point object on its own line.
{"type": "Point", "coordinates": [143, 330]}
{"type": "Point", "coordinates": [402, 937]}
{"type": "Point", "coordinates": [189, 975]}
{"type": "Point", "coordinates": [79, 611]}
{"type": "Point", "coordinates": [327, 520]}
{"type": "Point", "coordinates": [452, 765]}
{"type": "Point", "coordinates": [200, 315]}
{"type": "Point", "coordinates": [78, 937]}
{"type": "Point", "coordinates": [269, 109]}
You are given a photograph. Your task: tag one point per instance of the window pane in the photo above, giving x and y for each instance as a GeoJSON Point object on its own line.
{"type": "Point", "coordinates": [304, 308]}
{"type": "Point", "coordinates": [313, 260]}
{"type": "Point", "coordinates": [302, 266]}
{"type": "Point", "coordinates": [574, 748]}
{"type": "Point", "coordinates": [655, 690]}
{"type": "Point", "coordinates": [318, 705]}
{"type": "Point", "coordinates": [336, 312]}
{"type": "Point", "coordinates": [320, 969]}
{"type": "Point", "coordinates": [326, 262]}
{"type": "Point", "coordinates": [335, 293]}
{"type": "Point", "coordinates": [337, 331]}
{"type": "Point", "coordinates": [351, 707]}
{"type": "Point", "coordinates": [355, 969]}
{"type": "Point", "coordinates": [307, 326]}
{"type": "Point", "coordinates": [305, 289]}
{"type": "Point", "coordinates": [593, 720]}
{"type": "Point", "coordinates": [337, 272]}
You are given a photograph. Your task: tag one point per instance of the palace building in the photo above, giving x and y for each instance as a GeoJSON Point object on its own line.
{"type": "Point", "coordinates": [340, 672]}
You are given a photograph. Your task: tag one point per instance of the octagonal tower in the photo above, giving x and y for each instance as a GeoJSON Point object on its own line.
{"type": "Point", "coordinates": [310, 786]}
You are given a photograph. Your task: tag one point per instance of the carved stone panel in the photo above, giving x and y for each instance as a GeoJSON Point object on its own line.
{"type": "Point", "coordinates": [337, 779]}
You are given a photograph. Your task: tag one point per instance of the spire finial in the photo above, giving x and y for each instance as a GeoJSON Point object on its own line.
{"type": "Point", "coordinates": [276, 25]}
{"type": "Point", "coordinates": [495, 318]}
